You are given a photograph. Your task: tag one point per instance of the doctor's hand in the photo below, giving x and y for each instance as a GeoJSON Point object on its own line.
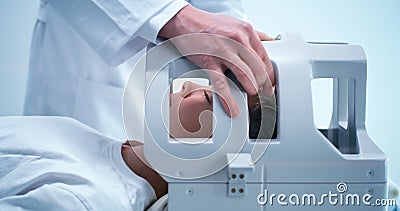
{"type": "Point", "coordinates": [233, 40]}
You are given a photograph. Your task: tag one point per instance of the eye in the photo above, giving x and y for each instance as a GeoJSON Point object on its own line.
{"type": "Point", "coordinates": [207, 97]}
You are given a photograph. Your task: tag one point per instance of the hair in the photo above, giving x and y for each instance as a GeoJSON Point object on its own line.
{"type": "Point", "coordinates": [262, 117]}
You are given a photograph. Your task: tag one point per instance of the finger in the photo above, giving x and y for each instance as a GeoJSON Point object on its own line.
{"type": "Point", "coordinates": [258, 47]}
{"type": "Point", "coordinates": [243, 74]}
{"type": "Point", "coordinates": [263, 36]}
{"type": "Point", "coordinates": [221, 87]}
{"type": "Point", "coordinates": [256, 65]}
{"type": "Point", "coordinates": [267, 89]}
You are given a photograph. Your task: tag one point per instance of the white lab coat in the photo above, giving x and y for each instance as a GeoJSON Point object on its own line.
{"type": "Point", "coordinates": [84, 50]}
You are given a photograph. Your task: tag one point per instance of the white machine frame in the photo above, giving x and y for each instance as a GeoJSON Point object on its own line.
{"type": "Point", "coordinates": [301, 160]}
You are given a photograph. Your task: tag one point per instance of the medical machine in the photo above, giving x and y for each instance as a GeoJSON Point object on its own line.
{"type": "Point", "coordinates": [302, 168]}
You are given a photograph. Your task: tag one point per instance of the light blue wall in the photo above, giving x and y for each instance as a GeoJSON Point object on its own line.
{"type": "Point", "coordinates": [372, 24]}
{"type": "Point", "coordinates": [17, 18]}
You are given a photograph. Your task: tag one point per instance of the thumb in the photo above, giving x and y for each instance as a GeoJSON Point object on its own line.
{"type": "Point", "coordinates": [263, 36]}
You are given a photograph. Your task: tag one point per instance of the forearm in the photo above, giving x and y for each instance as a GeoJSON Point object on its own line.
{"type": "Point", "coordinates": [116, 29]}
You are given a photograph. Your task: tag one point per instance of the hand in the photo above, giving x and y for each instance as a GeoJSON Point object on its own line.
{"type": "Point", "coordinates": [234, 40]}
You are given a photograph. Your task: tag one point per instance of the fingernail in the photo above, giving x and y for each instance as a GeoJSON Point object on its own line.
{"type": "Point", "coordinates": [235, 112]}
{"type": "Point", "coordinates": [270, 92]}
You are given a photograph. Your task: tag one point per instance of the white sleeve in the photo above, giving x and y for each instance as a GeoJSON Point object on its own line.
{"type": "Point", "coordinates": [117, 29]}
{"type": "Point", "coordinates": [229, 7]}
{"type": "Point", "coordinates": [46, 197]}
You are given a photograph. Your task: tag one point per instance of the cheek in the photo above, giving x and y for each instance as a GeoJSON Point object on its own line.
{"type": "Point", "coordinates": [189, 112]}
{"type": "Point", "coordinates": [185, 114]}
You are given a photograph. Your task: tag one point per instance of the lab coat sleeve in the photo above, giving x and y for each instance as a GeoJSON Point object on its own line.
{"type": "Point", "coordinates": [229, 7]}
{"type": "Point", "coordinates": [117, 29]}
{"type": "Point", "coordinates": [45, 197]}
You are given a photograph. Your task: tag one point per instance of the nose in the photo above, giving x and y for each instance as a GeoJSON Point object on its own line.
{"type": "Point", "coordinates": [187, 87]}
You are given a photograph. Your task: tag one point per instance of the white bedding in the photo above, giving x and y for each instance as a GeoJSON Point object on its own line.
{"type": "Point", "coordinates": [160, 205]}
{"type": "Point", "coordinates": [57, 163]}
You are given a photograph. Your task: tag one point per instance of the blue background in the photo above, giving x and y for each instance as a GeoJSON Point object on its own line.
{"type": "Point", "coordinates": [372, 24]}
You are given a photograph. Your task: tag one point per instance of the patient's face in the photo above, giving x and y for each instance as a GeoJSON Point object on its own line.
{"type": "Point", "coordinates": [191, 111]}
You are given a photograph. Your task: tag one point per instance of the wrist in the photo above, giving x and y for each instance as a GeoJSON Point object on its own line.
{"type": "Point", "coordinates": [182, 23]}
